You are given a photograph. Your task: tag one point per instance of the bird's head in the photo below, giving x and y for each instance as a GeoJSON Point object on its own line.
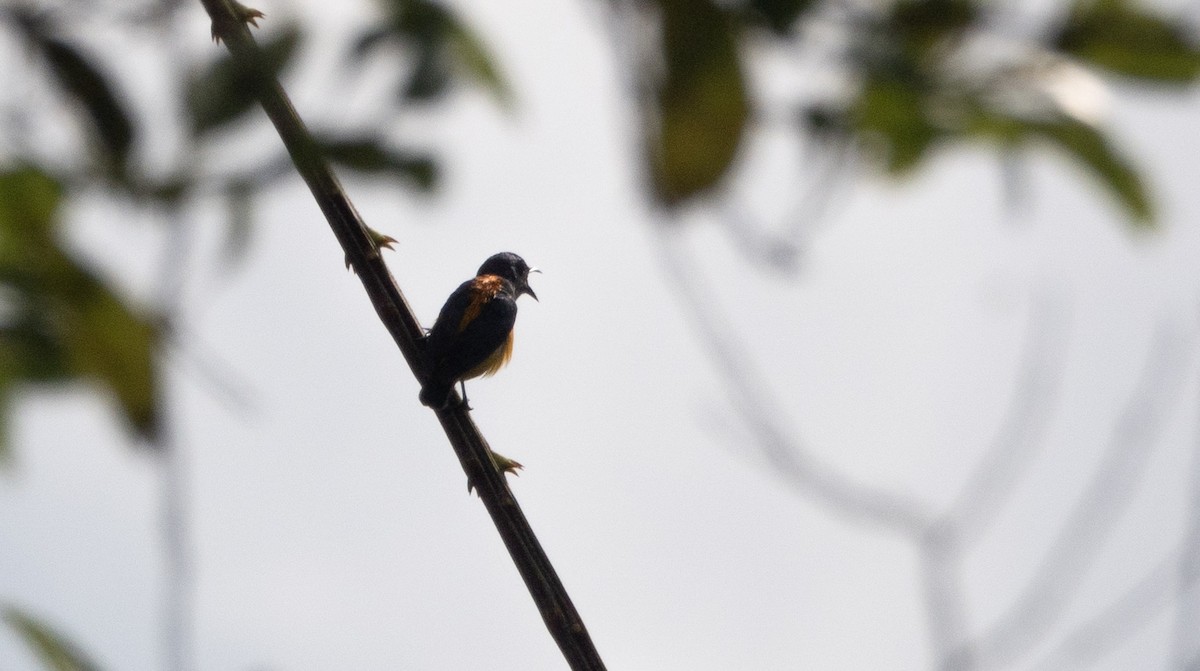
{"type": "Point", "coordinates": [512, 268]}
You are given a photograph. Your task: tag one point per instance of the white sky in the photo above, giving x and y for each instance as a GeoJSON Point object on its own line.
{"type": "Point", "coordinates": [330, 520]}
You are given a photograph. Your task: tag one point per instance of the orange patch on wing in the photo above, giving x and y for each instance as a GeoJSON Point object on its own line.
{"type": "Point", "coordinates": [483, 289]}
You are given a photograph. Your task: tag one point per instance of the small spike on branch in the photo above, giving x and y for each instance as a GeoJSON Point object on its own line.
{"type": "Point", "coordinates": [247, 15]}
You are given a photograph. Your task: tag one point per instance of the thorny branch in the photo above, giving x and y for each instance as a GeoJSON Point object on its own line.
{"type": "Point", "coordinates": [540, 578]}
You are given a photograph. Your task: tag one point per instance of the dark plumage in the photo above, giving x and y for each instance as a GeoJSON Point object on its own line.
{"type": "Point", "coordinates": [473, 332]}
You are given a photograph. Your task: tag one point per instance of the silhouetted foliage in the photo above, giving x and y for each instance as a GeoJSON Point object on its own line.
{"type": "Point", "coordinates": [920, 75]}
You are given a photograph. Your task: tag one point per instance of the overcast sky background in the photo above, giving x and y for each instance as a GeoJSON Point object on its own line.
{"type": "Point", "coordinates": [331, 526]}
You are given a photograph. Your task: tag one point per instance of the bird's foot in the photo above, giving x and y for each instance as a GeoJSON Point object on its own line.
{"type": "Point", "coordinates": [466, 404]}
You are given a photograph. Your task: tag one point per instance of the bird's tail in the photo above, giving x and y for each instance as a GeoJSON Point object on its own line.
{"type": "Point", "coordinates": [436, 394]}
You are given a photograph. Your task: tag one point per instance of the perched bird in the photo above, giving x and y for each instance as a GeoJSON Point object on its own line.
{"type": "Point", "coordinates": [473, 334]}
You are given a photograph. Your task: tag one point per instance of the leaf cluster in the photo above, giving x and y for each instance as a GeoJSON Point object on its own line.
{"type": "Point", "coordinates": [918, 75]}
{"type": "Point", "coordinates": [61, 322]}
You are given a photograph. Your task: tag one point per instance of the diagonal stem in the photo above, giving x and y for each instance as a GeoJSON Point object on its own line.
{"type": "Point", "coordinates": [1132, 441]}
{"type": "Point", "coordinates": [544, 586]}
{"type": "Point", "coordinates": [789, 457]}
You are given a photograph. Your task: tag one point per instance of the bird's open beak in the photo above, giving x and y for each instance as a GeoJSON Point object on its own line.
{"type": "Point", "coordinates": [528, 289]}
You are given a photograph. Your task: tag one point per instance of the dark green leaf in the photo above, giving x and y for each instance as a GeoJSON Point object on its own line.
{"type": "Point", "coordinates": [29, 350]}
{"type": "Point", "coordinates": [5, 401]}
{"type": "Point", "coordinates": [925, 23]}
{"type": "Point", "coordinates": [778, 15]}
{"type": "Point", "coordinates": [87, 85]}
{"type": "Point", "coordinates": [1085, 144]}
{"type": "Point", "coordinates": [225, 92]}
{"type": "Point", "coordinates": [440, 47]}
{"type": "Point", "coordinates": [473, 56]}
{"type": "Point", "coordinates": [169, 192]}
{"type": "Point", "coordinates": [84, 82]}
{"type": "Point", "coordinates": [423, 28]}
{"type": "Point", "coordinates": [28, 201]}
{"type": "Point", "coordinates": [1125, 40]}
{"type": "Point", "coordinates": [702, 101]}
{"type": "Point", "coordinates": [239, 200]}
{"type": "Point", "coordinates": [60, 321]}
{"type": "Point", "coordinates": [105, 340]}
{"type": "Point", "coordinates": [1092, 149]}
{"type": "Point", "coordinates": [368, 40]}
{"type": "Point", "coordinates": [891, 119]}
{"type": "Point", "coordinates": [54, 650]}
{"type": "Point", "coordinates": [430, 76]}
{"type": "Point", "coordinates": [371, 156]}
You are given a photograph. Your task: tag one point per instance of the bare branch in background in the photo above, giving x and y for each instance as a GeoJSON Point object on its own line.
{"type": "Point", "coordinates": [780, 247]}
{"type": "Point", "coordinates": [1134, 439]}
{"type": "Point", "coordinates": [940, 580]}
{"type": "Point", "coordinates": [1087, 643]}
{"type": "Point", "coordinates": [1186, 644]}
{"type": "Point", "coordinates": [750, 399]}
{"type": "Point", "coordinates": [175, 511]}
{"type": "Point", "coordinates": [941, 542]}
{"type": "Point", "coordinates": [1022, 429]}
{"type": "Point", "coordinates": [1021, 432]}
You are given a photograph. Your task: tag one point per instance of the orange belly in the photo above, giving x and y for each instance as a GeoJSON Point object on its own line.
{"type": "Point", "coordinates": [493, 363]}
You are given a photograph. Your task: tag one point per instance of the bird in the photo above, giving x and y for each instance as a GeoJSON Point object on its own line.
{"type": "Point", "coordinates": [473, 333]}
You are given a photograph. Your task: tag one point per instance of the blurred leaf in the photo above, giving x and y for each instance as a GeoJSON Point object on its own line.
{"type": "Point", "coordinates": [473, 55]}
{"type": "Point", "coordinates": [105, 340]}
{"type": "Point", "coordinates": [5, 452]}
{"type": "Point", "coordinates": [60, 321]}
{"type": "Point", "coordinates": [440, 45]}
{"type": "Point", "coordinates": [224, 92]}
{"type": "Point", "coordinates": [371, 156]}
{"type": "Point", "coordinates": [369, 40]}
{"type": "Point", "coordinates": [239, 208]}
{"type": "Point", "coordinates": [88, 86]}
{"type": "Point", "coordinates": [1120, 38]}
{"type": "Point", "coordinates": [778, 15]}
{"type": "Point", "coordinates": [702, 101]}
{"type": "Point", "coordinates": [430, 76]}
{"type": "Point", "coordinates": [924, 24]}
{"type": "Point", "coordinates": [1084, 144]}
{"type": "Point", "coordinates": [422, 26]}
{"type": "Point", "coordinates": [168, 191]}
{"type": "Point", "coordinates": [28, 201]}
{"type": "Point", "coordinates": [83, 81]}
{"type": "Point", "coordinates": [890, 117]}
{"type": "Point", "coordinates": [54, 650]}
{"type": "Point", "coordinates": [1092, 149]}
{"type": "Point", "coordinates": [29, 351]}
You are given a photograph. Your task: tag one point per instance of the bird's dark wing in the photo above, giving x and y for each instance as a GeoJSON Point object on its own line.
{"type": "Point", "coordinates": [445, 329]}
{"type": "Point", "coordinates": [472, 325]}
